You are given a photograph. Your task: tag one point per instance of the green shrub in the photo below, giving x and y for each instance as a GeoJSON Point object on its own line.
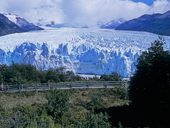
{"type": "Point", "coordinates": [96, 121]}
{"type": "Point", "coordinates": [58, 103]}
{"type": "Point", "coordinates": [112, 77]}
{"type": "Point", "coordinates": [30, 117]}
{"type": "Point", "coordinates": [95, 103]}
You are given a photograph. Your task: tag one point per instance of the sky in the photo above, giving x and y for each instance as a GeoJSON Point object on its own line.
{"type": "Point", "coordinates": [82, 12]}
{"type": "Point", "coordinates": [149, 2]}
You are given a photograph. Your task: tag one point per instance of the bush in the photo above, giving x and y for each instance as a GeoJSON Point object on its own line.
{"type": "Point", "coordinates": [95, 103]}
{"type": "Point", "coordinates": [111, 77]}
{"type": "Point", "coordinates": [30, 117]}
{"type": "Point", "coordinates": [26, 74]}
{"type": "Point", "coordinates": [88, 120]}
{"type": "Point", "coordinates": [58, 104]}
{"type": "Point", "coordinates": [96, 121]}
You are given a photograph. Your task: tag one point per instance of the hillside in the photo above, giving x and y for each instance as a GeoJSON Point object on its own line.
{"type": "Point", "coordinates": [14, 24]}
{"type": "Point", "coordinates": [156, 23]}
{"type": "Point", "coordinates": [8, 27]}
{"type": "Point", "coordinates": [22, 23]}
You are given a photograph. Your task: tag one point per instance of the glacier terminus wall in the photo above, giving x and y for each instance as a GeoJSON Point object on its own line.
{"type": "Point", "coordinates": [84, 51]}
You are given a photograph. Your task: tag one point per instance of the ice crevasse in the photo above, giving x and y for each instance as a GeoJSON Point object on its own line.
{"type": "Point", "coordinates": [84, 51]}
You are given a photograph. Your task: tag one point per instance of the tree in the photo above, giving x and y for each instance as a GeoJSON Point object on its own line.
{"type": "Point", "coordinates": [112, 77]}
{"type": "Point", "coordinates": [52, 76]}
{"type": "Point", "coordinates": [96, 121]}
{"type": "Point", "coordinates": [58, 103]}
{"type": "Point", "coordinates": [149, 89]}
{"type": "Point", "coordinates": [27, 116]}
{"type": "Point", "coordinates": [82, 119]}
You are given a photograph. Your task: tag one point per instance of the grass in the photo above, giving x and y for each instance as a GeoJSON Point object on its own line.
{"type": "Point", "coordinates": [9, 101]}
{"type": "Point", "coordinates": [79, 99]}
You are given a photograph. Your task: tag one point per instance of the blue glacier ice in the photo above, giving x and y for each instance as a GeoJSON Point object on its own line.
{"type": "Point", "coordinates": [84, 51]}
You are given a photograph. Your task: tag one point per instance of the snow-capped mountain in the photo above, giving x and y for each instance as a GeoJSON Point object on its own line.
{"type": "Point", "coordinates": [22, 23]}
{"type": "Point", "coordinates": [14, 24]}
{"type": "Point", "coordinates": [7, 27]}
{"type": "Point", "coordinates": [85, 51]}
{"type": "Point", "coordinates": [112, 24]}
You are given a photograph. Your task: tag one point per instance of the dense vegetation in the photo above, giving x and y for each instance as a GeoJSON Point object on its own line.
{"type": "Point", "coordinates": [59, 108]}
{"type": "Point", "coordinates": [21, 73]}
{"type": "Point", "coordinates": [111, 77]}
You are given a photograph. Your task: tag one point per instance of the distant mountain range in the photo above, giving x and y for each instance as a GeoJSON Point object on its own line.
{"type": "Point", "coordinates": [112, 24]}
{"type": "Point", "coordinates": [156, 23]}
{"type": "Point", "coordinates": [14, 24]}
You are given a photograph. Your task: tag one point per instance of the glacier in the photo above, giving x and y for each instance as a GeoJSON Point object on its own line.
{"type": "Point", "coordinates": [84, 51]}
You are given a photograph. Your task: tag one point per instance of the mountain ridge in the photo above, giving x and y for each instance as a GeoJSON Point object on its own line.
{"type": "Point", "coordinates": [112, 24]}
{"type": "Point", "coordinates": [14, 24]}
{"type": "Point", "coordinates": [7, 26]}
{"type": "Point", "coordinates": [156, 23]}
{"type": "Point", "coordinates": [22, 23]}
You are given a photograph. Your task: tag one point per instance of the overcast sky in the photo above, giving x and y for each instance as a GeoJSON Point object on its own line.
{"type": "Point", "coordinates": [82, 12]}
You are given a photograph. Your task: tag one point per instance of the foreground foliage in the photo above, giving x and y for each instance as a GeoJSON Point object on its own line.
{"type": "Point", "coordinates": [59, 108]}
{"type": "Point", "coordinates": [58, 104]}
{"type": "Point", "coordinates": [150, 86]}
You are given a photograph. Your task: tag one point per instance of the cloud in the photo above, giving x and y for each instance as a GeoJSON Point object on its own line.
{"type": "Point", "coordinates": [81, 12]}
{"type": "Point", "coordinates": [160, 6]}
{"type": "Point", "coordinates": [3, 6]}
{"type": "Point", "coordinates": [35, 10]}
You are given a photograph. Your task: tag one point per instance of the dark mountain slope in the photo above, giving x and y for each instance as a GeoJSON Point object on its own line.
{"type": "Point", "coordinates": [22, 23]}
{"type": "Point", "coordinates": [14, 24]}
{"type": "Point", "coordinates": [8, 27]}
{"type": "Point", "coordinates": [156, 23]}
